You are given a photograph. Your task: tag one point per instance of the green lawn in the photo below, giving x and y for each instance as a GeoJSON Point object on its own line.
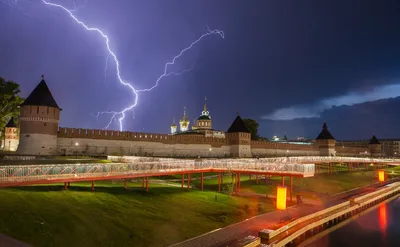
{"type": "Point", "coordinates": [111, 216]}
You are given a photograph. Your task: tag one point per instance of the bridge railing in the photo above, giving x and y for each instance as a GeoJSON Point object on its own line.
{"type": "Point", "coordinates": [311, 159]}
{"type": "Point", "coordinates": [275, 160]}
{"type": "Point", "coordinates": [25, 173]}
{"type": "Point", "coordinates": [17, 174]}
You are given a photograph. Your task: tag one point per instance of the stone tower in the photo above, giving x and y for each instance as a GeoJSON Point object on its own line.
{"type": "Point", "coordinates": [11, 136]}
{"type": "Point", "coordinates": [239, 138]}
{"type": "Point", "coordinates": [39, 122]}
{"type": "Point", "coordinates": [375, 147]}
{"type": "Point", "coordinates": [326, 142]}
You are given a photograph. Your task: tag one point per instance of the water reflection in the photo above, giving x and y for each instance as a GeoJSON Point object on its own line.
{"type": "Point", "coordinates": [380, 226]}
{"type": "Point", "coordinates": [382, 218]}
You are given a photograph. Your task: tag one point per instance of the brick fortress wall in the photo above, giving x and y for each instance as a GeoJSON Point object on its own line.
{"type": "Point", "coordinates": [267, 149]}
{"type": "Point", "coordinates": [107, 142]}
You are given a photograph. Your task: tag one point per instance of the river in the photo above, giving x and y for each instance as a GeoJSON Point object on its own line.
{"type": "Point", "coordinates": [379, 226]}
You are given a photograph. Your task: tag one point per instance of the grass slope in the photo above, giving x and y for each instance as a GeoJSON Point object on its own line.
{"type": "Point", "coordinates": [111, 216]}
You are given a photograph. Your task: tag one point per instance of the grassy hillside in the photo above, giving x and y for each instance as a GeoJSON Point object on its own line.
{"type": "Point", "coordinates": [111, 216]}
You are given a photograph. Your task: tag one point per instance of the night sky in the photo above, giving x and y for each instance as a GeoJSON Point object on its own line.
{"type": "Point", "coordinates": [279, 60]}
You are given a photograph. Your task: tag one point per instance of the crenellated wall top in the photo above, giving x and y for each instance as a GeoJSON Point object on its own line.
{"type": "Point", "coordinates": [139, 136]}
{"type": "Point", "coordinates": [280, 145]}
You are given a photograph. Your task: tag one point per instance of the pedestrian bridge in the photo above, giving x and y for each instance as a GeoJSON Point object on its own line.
{"type": "Point", "coordinates": [135, 167]}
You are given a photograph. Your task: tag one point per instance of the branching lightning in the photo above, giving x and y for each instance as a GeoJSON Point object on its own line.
{"type": "Point", "coordinates": [121, 114]}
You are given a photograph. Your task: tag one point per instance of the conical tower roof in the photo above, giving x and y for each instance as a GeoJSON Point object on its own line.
{"type": "Point", "coordinates": [41, 96]}
{"type": "Point", "coordinates": [11, 123]}
{"type": "Point", "coordinates": [325, 134]}
{"type": "Point", "coordinates": [238, 125]}
{"type": "Point", "coordinates": [374, 140]}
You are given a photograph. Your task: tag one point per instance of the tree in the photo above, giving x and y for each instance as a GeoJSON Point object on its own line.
{"type": "Point", "coordinates": [9, 101]}
{"type": "Point", "coordinates": [252, 126]}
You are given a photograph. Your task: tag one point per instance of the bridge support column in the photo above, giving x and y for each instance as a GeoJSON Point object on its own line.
{"type": "Point", "coordinates": [291, 189]}
{"type": "Point", "coordinates": [183, 180]}
{"type": "Point", "coordinates": [69, 184]}
{"type": "Point", "coordinates": [188, 181]}
{"type": "Point", "coordinates": [147, 183]}
{"type": "Point", "coordinates": [219, 181]}
{"type": "Point", "coordinates": [283, 181]}
{"type": "Point", "coordinates": [257, 179]}
{"type": "Point", "coordinates": [238, 181]}
{"type": "Point", "coordinates": [124, 183]}
{"type": "Point", "coordinates": [202, 181]}
{"type": "Point", "coordinates": [265, 178]}
{"type": "Point", "coordinates": [143, 182]}
{"type": "Point", "coordinates": [92, 185]}
{"type": "Point", "coordinates": [65, 186]}
{"type": "Point", "coordinates": [250, 177]}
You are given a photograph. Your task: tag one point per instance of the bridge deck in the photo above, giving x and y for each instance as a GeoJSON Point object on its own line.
{"type": "Point", "coordinates": [16, 175]}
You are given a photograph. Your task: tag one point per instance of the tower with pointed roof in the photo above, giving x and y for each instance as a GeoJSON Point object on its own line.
{"type": "Point", "coordinates": [184, 122]}
{"type": "Point", "coordinates": [173, 127]}
{"type": "Point", "coordinates": [239, 138]}
{"type": "Point", "coordinates": [39, 122]}
{"type": "Point", "coordinates": [11, 138]}
{"type": "Point", "coordinates": [326, 142]}
{"type": "Point", "coordinates": [375, 147]}
{"type": "Point", "coordinates": [204, 121]}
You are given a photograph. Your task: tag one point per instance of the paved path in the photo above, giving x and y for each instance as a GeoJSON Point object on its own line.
{"type": "Point", "coordinates": [229, 235]}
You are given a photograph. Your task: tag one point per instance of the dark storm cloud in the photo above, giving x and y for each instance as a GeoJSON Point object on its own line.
{"type": "Point", "coordinates": [276, 54]}
{"type": "Point", "coordinates": [350, 98]}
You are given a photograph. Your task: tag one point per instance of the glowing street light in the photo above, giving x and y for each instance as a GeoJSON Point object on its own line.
{"type": "Point", "coordinates": [76, 144]}
{"type": "Point", "coordinates": [281, 198]}
{"type": "Point", "coordinates": [381, 176]}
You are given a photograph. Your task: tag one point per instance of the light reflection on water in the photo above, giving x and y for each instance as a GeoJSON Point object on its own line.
{"type": "Point", "coordinates": [378, 227]}
{"type": "Point", "coordinates": [382, 218]}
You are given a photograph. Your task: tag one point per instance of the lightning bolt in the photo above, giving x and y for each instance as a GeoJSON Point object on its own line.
{"type": "Point", "coordinates": [121, 114]}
